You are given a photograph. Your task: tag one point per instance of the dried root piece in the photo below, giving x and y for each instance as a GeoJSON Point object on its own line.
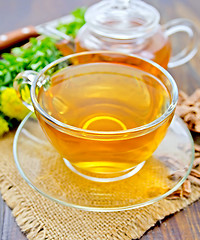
{"type": "Point", "coordinates": [196, 162]}
{"type": "Point", "coordinates": [175, 195]}
{"type": "Point", "coordinates": [170, 161]}
{"type": "Point", "coordinates": [184, 191]}
{"type": "Point", "coordinates": [197, 154]}
{"type": "Point", "coordinates": [194, 180]}
{"type": "Point", "coordinates": [186, 187]}
{"type": "Point", "coordinates": [182, 97]}
{"type": "Point", "coordinates": [188, 109]}
{"type": "Point", "coordinates": [197, 147]}
{"type": "Point", "coordinates": [177, 174]}
{"type": "Point", "coordinates": [195, 173]}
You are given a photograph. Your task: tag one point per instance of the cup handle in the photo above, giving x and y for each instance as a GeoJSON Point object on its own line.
{"type": "Point", "coordinates": [22, 84]}
{"type": "Point", "coordinates": [187, 53]}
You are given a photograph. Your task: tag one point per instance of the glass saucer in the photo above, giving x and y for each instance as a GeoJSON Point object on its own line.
{"type": "Point", "coordinates": [45, 171]}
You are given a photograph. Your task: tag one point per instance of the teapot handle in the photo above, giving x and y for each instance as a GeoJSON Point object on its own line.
{"type": "Point", "coordinates": [187, 53]}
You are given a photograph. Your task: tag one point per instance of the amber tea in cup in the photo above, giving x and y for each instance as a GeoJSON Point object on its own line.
{"type": "Point", "coordinates": [104, 115]}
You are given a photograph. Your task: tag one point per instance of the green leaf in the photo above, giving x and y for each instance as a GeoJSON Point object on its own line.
{"type": "Point", "coordinates": [73, 27]}
{"type": "Point", "coordinates": [7, 78]}
{"type": "Point", "coordinates": [17, 51]}
{"type": "Point", "coordinates": [35, 66]}
{"type": "Point", "coordinates": [9, 57]}
{"type": "Point", "coordinates": [79, 12]}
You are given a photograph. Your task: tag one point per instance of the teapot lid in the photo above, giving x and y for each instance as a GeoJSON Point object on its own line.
{"type": "Point", "coordinates": [122, 19]}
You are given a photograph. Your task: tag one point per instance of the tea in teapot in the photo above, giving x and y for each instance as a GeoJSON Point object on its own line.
{"type": "Point", "coordinates": [132, 27]}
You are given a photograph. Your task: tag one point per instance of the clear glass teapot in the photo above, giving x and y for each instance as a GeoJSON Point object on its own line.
{"type": "Point", "coordinates": [132, 26]}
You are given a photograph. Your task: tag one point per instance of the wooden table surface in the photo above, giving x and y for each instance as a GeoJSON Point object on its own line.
{"type": "Point", "coordinates": [184, 225]}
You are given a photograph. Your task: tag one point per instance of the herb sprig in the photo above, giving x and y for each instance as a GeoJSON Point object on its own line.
{"type": "Point", "coordinates": [40, 53]}
{"type": "Point", "coordinates": [73, 27]}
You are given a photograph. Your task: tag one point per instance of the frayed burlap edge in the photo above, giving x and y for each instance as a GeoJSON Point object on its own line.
{"type": "Point", "coordinates": [11, 194]}
{"type": "Point", "coordinates": [21, 210]}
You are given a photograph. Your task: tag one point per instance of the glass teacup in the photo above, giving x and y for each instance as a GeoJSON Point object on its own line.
{"type": "Point", "coordinates": [104, 112]}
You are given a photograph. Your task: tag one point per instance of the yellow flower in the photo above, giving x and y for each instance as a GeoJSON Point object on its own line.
{"type": "Point", "coordinates": [11, 105]}
{"type": "Point", "coordinates": [4, 126]}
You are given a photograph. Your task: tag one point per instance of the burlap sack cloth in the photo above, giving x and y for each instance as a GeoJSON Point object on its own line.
{"type": "Point", "coordinates": [41, 218]}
